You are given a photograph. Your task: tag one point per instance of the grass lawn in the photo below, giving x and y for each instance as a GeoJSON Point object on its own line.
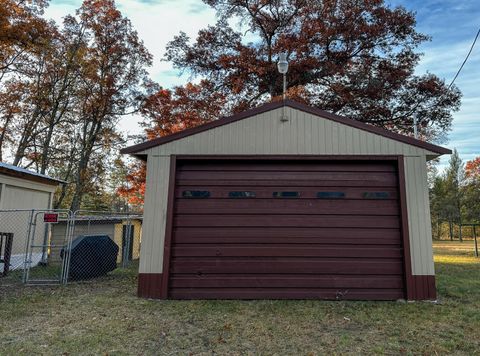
{"type": "Point", "coordinates": [107, 318]}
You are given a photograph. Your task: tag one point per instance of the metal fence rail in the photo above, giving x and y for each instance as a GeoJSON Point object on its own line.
{"type": "Point", "coordinates": [474, 228]}
{"type": "Point", "coordinates": [58, 246]}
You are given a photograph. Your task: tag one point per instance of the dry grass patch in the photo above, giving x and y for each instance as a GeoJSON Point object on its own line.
{"type": "Point", "coordinates": [105, 317]}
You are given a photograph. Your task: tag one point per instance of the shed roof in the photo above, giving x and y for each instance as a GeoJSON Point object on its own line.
{"type": "Point", "coordinates": [136, 149]}
{"type": "Point", "coordinates": [22, 173]}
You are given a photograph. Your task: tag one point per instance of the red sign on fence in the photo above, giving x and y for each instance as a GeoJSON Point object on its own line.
{"type": "Point", "coordinates": [50, 218]}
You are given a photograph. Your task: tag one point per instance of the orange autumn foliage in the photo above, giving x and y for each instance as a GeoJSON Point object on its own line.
{"type": "Point", "coordinates": [353, 58]}
{"type": "Point", "coordinates": [134, 192]}
{"type": "Point", "coordinates": [169, 111]}
{"type": "Point", "coordinates": [472, 169]}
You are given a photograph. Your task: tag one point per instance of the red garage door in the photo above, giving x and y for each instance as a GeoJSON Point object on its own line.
{"type": "Point", "coordinates": [286, 229]}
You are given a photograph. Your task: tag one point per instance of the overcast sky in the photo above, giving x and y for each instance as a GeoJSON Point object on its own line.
{"type": "Point", "coordinates": [451, 23]}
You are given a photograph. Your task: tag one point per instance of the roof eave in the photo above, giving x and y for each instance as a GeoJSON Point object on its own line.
{"type": "Point", "coordinates": [138, 149]}
{"type": "Point", "coordinates": [31, 177]}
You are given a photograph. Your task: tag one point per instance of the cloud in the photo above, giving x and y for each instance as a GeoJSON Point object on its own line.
{"type": "Point", "coordinates": [56, 3]}
{"type": "Point", "coordinates": [453, 25]}
{"type": "Point", "coordinates": [157, 22]}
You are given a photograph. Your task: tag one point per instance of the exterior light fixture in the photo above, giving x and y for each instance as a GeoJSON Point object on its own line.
{"type": "Point", "coordinates": [415, 126]}
{"type": "Point", "coordinates": [283, 69]}
{"type": "Point", "coordinates": [282, 66]}
{"type": "Point", "coordinates": [282, 63]}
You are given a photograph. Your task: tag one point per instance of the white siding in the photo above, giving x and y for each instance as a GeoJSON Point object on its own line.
{"type": "Point", "coordinates": [303, 134]}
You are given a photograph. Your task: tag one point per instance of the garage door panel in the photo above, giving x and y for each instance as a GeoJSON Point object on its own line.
{"type": "Point", "coordinates": [289, 166]}
{"type": "Point", "coordinates": [218, 192]}
{"type": "Point", "coordinates": [207, 235]}
{"type": "Point", "coordinates": [280, 250]}
{"type": "Point", "coordinates": [370, 221]}
{"type": "Point", "coordinates": [283, 293]}
{"type": "Point", "coordinates": [307, 265]}
{"type": "Point", "coordinates": [304, 244]}
{"type": "Point", "coordinates": [378, 177]}
{"type": "Point", "coordinates": [285, 281]}
{"type": "Point", "coordinates": [318, 183]}
{"type": "Point", "coordinates": [287, 206]}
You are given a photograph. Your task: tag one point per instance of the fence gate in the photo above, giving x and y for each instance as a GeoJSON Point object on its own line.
{"type": "Point", "coordinates": [49, 239]}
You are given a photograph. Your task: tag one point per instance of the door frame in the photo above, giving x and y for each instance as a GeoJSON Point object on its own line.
{"type": "Point", "coordinates": [399, 160]}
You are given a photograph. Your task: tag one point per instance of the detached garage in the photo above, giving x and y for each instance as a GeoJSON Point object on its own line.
{"type": "Point", "coordinates": [286, 201]}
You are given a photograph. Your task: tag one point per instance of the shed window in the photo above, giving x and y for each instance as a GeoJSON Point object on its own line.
{"type": "Point", "coordinates": [376, 195]}
{"type": "Point", "coordinates": [241, 194]}
{"type": "Point", "coordinates": [286, 194]}
{"type": "Point", "coordinates": [330, 195]}
{"type": "Point", "coordinates": [196, 194]}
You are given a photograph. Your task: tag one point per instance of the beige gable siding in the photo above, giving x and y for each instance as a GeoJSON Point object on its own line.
{"type": "Point", "coordinates": [303, 134]}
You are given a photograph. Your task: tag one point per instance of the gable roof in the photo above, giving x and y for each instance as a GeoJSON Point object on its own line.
{"type": "Point", "coordinates": [135, 149]}
{"type": "Point", "coordinates": [22, 173]}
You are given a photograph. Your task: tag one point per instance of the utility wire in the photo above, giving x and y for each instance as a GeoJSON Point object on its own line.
{"type": "Point", "coordinates": [465, 61]}
{"type": "Point", "coordinates": [415, 120]}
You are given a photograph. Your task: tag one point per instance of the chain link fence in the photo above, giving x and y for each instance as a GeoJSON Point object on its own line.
{"type": "Point", "coordinates": [58, 246]}
{"type": "Point", "coordinates": [101, 242]}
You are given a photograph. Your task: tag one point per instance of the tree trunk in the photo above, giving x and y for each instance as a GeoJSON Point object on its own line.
{"type": "Point", "coordinates": [46, 149]}
{"type": "Point", "coordinates": [450, 228]}
{"type": "Point", "coordinates": [3, 134]}
{"type": "Point", "coordinates": [79, 190]}
{"type": "Point", "coordinates": [439, 226]}
{"type": "Point", "coordinates": [28, 135]}
{"type": "Point", "coordinates": [89, 139]}
{"type": "Point", "coordinates": [66, 178]}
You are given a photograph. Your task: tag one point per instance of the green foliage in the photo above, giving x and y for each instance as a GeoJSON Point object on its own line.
{"type": "Point", "coordinates": [454, 197]}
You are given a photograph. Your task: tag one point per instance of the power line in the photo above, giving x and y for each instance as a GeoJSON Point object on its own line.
{"type": "Point", "coordinates": [465, 61]}
{"type": "Point", "coordinates": [415, 120]}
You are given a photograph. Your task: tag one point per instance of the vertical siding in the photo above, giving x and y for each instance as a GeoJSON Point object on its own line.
{"type": "Point", "coordinates": [22, 198]}
{"type": "Point", "coordinates": [303, 134]}
{"type": "Point", "coordinates": [137, 235]}
{"type": "Point", "coordinates": [419, 216]}
{"type": "Point", "coordinates": [154, 218]}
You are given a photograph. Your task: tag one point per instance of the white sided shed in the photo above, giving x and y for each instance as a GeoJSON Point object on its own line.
{"type": "Point", "coordinates": [22, 191]}
{"type": "Point", "coordinates": [286, 201]}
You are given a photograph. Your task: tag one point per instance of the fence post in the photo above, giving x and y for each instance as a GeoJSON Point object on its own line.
{"type": "Point", "coordinates": [26, 264]}
{"type": "Point", "coordinates": [46, 230]}
{"type": "Point", "coordinates": [475, 239]}
{"type": "Point", "coordinates": [127, 239]}
{"type": "Point", "coordinates": [68, 246]}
